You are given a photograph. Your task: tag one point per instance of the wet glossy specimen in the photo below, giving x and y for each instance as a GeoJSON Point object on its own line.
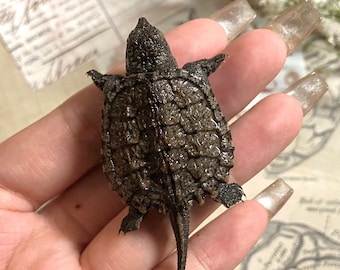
{"type": "Point", "coordinates": [165, 142]}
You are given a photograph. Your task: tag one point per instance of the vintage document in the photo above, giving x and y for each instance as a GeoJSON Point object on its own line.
{"type": "Point", "coordinates": [49, 39]}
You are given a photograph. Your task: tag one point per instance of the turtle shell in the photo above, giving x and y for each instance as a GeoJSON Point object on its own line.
{"type": "Point", "coordinates": [165, 140]}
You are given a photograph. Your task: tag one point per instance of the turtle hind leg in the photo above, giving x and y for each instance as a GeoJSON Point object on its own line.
{"type": "Point", "coordinates": [229, 194]}
{"type": "Point", "coordinates": [204, 67]}
{"type": "Point", "coordinates": [132, 221]}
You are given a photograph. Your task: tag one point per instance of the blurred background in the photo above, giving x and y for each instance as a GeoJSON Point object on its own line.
{"type": "Point", "coordinates": [47, 47]}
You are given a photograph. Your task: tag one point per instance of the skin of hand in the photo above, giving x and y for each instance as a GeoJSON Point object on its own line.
{"type": "Point", "coordinates": [57, 159]}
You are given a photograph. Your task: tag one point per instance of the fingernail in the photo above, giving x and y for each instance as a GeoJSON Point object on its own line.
{"type": "Point", "coordinates": [308, 90]}
{"type": "Point", "coordinates": [234, 17]}
{"type": "Point", "coordinates": [294, 25]}
{"type": "Point", "coordinates": [273, 197]}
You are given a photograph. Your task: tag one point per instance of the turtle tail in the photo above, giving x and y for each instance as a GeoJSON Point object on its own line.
{"type": "Point", "coordinates": [180, 219]}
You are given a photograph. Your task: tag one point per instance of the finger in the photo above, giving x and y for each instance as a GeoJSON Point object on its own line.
{"type": "Point", "coordinates": [41, 160]}
{"type": "Point", "coordinates": [197, 39]}
{"type": "Point", "coordinates": [262, 133]}
{"type": "Point", "coordinates": [254, 60]}
{"type": "Point", "coordinates": [155, 240]}
{"type": "Point", "coordinates": [223, 243]}
{"type": "Point", "coordinates": [44, 159]}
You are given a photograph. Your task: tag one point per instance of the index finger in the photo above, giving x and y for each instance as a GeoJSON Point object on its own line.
{"type": "Point", "coordinates": [44, 159]}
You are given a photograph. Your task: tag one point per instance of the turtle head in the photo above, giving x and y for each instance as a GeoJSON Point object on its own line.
{"type": "Point", "coordinates": [147, 50]}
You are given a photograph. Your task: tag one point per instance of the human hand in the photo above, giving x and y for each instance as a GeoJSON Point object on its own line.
{"type": "Point", "coordinates": [57, 159]}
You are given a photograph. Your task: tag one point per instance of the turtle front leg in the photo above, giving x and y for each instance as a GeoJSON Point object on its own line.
{"type": "Point", "coordinates": [105, 82]}
{"type": "Point", "coordinates": [132, 221]}
{"type": "Point", "coordinates": [229, 194]}
{"type": "Point", "coordinates": [204, 67]}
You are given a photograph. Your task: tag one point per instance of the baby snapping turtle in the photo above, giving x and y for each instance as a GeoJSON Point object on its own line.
{"type": "Point", "coordinates": [165, 142]}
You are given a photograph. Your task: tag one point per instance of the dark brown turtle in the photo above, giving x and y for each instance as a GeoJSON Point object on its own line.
{"type": "Point", "coordinates": [165, 142]}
